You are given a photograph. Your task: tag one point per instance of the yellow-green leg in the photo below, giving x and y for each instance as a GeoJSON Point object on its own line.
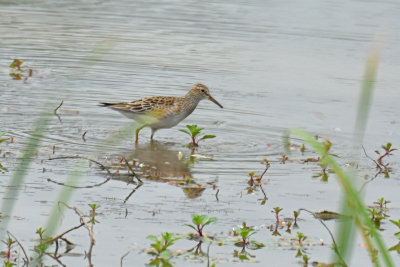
{"type": "Point", "coordinates": [137, 132]}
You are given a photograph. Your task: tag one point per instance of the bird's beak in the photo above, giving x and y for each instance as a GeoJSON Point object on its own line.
{"type": "Point", "coordinates": [215, 101]}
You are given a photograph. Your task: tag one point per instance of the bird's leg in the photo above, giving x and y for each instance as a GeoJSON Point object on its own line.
{"type": "Point", "coordinates": [137, 132]}
{"type": "Point", "coordinates": [152, 133]}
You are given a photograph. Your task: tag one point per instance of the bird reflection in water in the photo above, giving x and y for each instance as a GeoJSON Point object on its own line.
{"type": "Point", "coordinates": [158, 162]}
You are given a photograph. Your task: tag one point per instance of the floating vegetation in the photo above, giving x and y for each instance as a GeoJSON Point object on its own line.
{"type": "Point", "coordinates": [19, 72]}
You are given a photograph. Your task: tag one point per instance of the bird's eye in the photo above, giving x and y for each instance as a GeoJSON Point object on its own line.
{"type": "Point", "coordinates": [203, 91]}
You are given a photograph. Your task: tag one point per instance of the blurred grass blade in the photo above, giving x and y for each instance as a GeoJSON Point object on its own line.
{"type": "Point", "coordinates": [365, 97]}
{"type": "Point", "coordinates": [17, 179]}
{"type": "Point", "coordinates": [354, 202]}
{"type": "Point", "coordinates": [346, 233]}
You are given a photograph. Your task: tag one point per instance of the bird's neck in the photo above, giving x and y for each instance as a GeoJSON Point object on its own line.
{"type": "Point", "coordinates": [190, 101]}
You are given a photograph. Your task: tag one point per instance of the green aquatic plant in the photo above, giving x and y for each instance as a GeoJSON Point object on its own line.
{"type": "Point", "coordinates": [288, 227]}
{"type": "Point", "coordinates": [296, 214]}
{"type": "Point", "coordinates": [379, 161]}
{"type": "Point", "coordinates": [199, 222]}
{"type": "Point", "coordinates": [283, 159]}
{"type": "Point", "coordinates": [43, 243]}
{"type": "Point", "coordinates": [324, 166]}
{"type": "Point", "coordinates": [245, 232]}
{"type": "Point", "coordinates": [276, 210]}
{"type": "Point", "coordinates": [379, 212]}
{"type": "Point", "coordinates": [17, 71]}
{"type": "Point", "coordinates": [301, 238]}
{"type": "Point", "coordinates": [193, 131]}
{"type": "Point", "coordinates": [9, 242]}
{"type": "Point", "coordinates": [301, 252]}
{"type": "Point", "coordinates": [93, 208]}
{"type": "Point", "coordinates": [161, 245]}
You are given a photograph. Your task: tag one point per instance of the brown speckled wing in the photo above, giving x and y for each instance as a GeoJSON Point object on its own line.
{"type": "Point", "coordinates": [158, 105]}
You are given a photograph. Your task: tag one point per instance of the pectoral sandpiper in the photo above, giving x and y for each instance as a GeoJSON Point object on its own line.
{"type": "Point", "coordinates": [159, 112]}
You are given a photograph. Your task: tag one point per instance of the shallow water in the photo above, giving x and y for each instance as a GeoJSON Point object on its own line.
{"type": "Point", "coordinates": [272, 65]}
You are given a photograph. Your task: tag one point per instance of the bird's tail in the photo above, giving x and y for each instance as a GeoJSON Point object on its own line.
{"type": "Point", "coordinates": [104, 104]}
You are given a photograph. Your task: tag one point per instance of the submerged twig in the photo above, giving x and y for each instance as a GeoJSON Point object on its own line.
{"type": "Point", "coordinates": [66, 232]}
{"type": "Point", "coordinates": [133, 173]}
{"type": "Point", "coordinates": [123, 256]}
{"type": "Point", "coordinates": [88, 227]}
{"type": "Point", "coordinates": [57, 259]}
{"type": "Point", "coordinates": [379, 166]}
{"type": "Point", "coordinates": [208, 254]}
{"type": "Point", "coordinates": [262, 190]}
{"type": "Point", "coordinates": [20, 245]}
{"type": "Point", "coordinates": [55, 110]}
{"type": "Point", "coordinates": [133, 191]}
{"type": "Point", "coordinates": [89, 159]}
{"type": "Point", "coordinates": [83, 136]}
{"type": "Point", "coordinates": [368, 156]}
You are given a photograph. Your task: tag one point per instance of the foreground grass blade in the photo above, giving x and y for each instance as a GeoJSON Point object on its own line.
{"type": "Point", "coordinates": [354, 202]}
{"type": "Point", "coordinates": [346, 236]}
{"type": "Point", "coordinates": [17, 179]}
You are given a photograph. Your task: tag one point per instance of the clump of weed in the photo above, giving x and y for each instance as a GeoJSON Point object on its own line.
{"type": "Point", "coordinates": [9, 242]}
{"type": "Point", "coordinates": [199, 222]}
{"type": "Point", "coordinates": [379, 212]}
{"type": "Point", "coordinates": [296, 216]}
{"type": "Point", "coordinates": [194, 132]}
{"type": "Point", "coordinates": [245, 232]}
{"type": "Point", "coordinates": [301, 253]}
{"type": "Point", "coordinates": [160, 248]}
{"type": "Point", "coordinates": [257, 180]}
{"type": "Point", "coordinates": [19, 72]}
{"type": "Point", "coordinates": [379, 161]}
{"type": "Point", "coordinates": [276, 210]}
{"type": "Point", "coordinates": [323, 163]}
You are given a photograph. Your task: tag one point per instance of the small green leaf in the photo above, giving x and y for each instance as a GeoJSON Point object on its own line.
{"type": "Point", "coordinates": [185, 131]}
{"type": "Point", "coordinates": [191, 226]}
{"type": "Point", "coordinates": [255, 245]}
{"type": "Point", "coordinates": [397, 223]}
{"type": "Point", "coordinates": [198, 219]}
{"type": "Point", "coordinates": [395, 248]}
{"type": "Point", "coordinates": [152, 237]}
{"type": "Point", "coordinates": [207, 136]}
{"type": "Point", "coordinates": [209, 220]}
{"type": "Point", "coordinates": [16, 63]}
{"type": "Point", "coordinates": [166, 255]}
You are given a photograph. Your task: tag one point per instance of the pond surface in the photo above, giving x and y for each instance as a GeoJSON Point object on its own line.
{"type": "Point", "coordinates": [273, 65]}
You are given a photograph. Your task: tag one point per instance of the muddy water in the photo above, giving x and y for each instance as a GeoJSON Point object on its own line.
{"type": "Point", "coordinates": [272, 65]}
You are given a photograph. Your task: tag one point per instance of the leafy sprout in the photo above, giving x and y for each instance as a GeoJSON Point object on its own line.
{"type": "Point", "coordinates": [199, 222]}
{"type": "Point", "coordinates": [194, 132]}
{"type": "Point", "coordinates": [161, 245]}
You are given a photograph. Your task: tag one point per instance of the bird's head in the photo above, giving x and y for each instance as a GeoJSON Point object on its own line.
{"type": "Point", "coordinates": [204, 93]}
